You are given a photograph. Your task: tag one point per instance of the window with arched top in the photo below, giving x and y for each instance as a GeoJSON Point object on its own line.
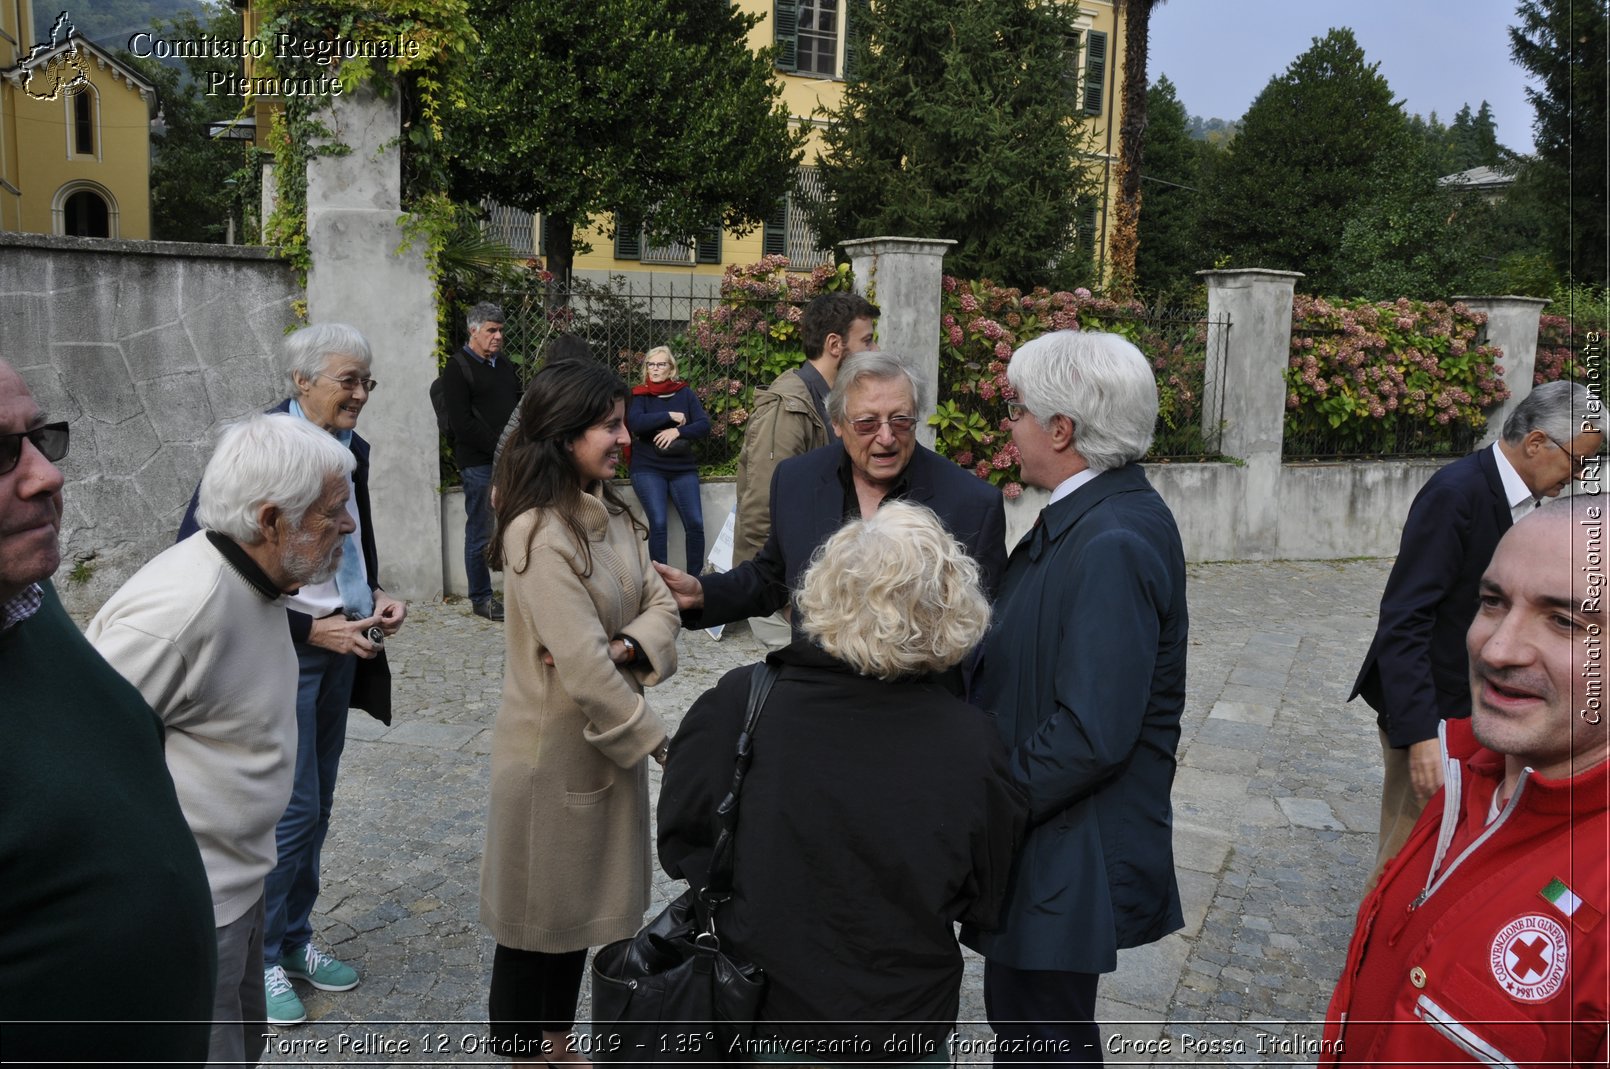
{"type": "Point", "coordinates": [87, 216]}
{"type": "Point", "coordinates": [84, 210]}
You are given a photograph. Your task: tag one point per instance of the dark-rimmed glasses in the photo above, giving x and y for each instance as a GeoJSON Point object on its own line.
{"type": "Point", "coordinates": [50, 440]}
{"type": "Point", "coordinates": [900, 426]}
{"type": "Point", "coordinates": [1578, 463]}
{"type": "Point", "coordinates": [1015, 410]}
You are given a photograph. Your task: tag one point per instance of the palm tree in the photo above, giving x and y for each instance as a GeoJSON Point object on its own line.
{"type": "Point", "coordinates": [1137, 16]}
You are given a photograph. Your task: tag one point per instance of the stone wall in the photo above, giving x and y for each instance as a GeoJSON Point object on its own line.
{"type": "Point", "coordinates": [145, 348]}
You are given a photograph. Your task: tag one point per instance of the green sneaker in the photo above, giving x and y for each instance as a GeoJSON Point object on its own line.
{"type": "Point", "coordinates": [319, 969]}
{"type": "Point", "coordinates": [284, 1008]}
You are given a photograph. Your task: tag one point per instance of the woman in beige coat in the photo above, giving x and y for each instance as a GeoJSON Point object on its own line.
{"type": "Point", "coordinates": [589, 624]}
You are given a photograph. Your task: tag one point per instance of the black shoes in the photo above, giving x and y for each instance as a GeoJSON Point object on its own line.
{"type": "Point", "coordinates": [491, 609]}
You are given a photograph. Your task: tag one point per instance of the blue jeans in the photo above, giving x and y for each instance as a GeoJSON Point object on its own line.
{"type": "Point", "coordinates": [477, 530]}
{"type": "Point", "coordinates": [323, 690]}
{"type": "Point", "coordinates": [651, 489]}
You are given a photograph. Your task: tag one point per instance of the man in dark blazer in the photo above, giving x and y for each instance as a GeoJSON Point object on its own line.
{"type": "Point", "coordinates": [874, 406]}
{"type": "Point", "coordinates": [1416, 673]}
{"type": "Point", "coordinates": [1084, 674]}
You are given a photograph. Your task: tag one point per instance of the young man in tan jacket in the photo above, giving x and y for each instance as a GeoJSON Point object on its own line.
{"type": "Point", "coordinates": [790, 418]}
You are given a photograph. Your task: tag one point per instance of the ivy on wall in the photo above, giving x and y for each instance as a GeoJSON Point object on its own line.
{"type": "Point", "coordinates": [427, 39]}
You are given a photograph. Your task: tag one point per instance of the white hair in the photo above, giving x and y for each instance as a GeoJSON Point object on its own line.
{"type": "Point", "coordinates": [1561, 410]}
{"type": "Point", "coordinates": [894, 595]}
{"type": "Point", "coordinates": [308, 351]}
{"type": "Point", "coordinates": [276, 459]}
{"type": "Point", "coordinates": [1099, 381]}
{"type": "Point", "coordinates": [879, 366]}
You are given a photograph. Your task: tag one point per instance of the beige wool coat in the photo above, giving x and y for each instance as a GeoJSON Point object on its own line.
{"type": "Point", "coordinates": [567, 863]}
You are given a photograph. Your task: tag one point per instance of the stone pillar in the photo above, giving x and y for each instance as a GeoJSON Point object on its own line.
{"type": "Point", "coordinates": [1512, 326]}
{"type": "Point", "coordinates": [902, 277]}
{"type": "Point", "coordinates": [1249, 323]}
{"type": "Point", "coordinates": [359, 277]}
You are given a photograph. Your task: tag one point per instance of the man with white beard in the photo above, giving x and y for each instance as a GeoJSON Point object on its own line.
{"type": "Point", "coordinates": [200, 631]}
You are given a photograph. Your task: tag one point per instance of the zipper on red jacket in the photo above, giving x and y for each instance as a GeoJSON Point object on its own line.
{"type": "Point", "coordinates": [1433, 881]}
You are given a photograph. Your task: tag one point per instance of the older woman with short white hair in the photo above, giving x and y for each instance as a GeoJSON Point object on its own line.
{"type": "Point", "coordinates": [878, 810]}
{"type": "Point", "coordinates": [331, 622]}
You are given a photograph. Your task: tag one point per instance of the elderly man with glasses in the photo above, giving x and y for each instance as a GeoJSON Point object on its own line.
{"type": "Point", "coordinates": [1416, 672]}
{"type": "Point", "coordinates": [107, 941]}
{"type": "Point", "coordinates": [875, 406]}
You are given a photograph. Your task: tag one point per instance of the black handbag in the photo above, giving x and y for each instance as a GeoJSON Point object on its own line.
{"type": "Point", "coordinates": [676, 450]}
{"type": "Point", "coordinates": [670, 995]}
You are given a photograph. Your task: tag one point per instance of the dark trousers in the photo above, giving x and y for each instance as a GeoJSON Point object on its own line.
{"type": "Point", "coordinates": [1042, 1017]}
{"type": "Point", "coordinates": [532, 993]}
{"type": "Point", "coordinates": [477, 530]}
{"type": "Point", "coordinates": [683, 491]}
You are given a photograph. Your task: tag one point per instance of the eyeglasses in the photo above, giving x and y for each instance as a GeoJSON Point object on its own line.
{"type": "Point", "coordinates": [350, 384]}
{"type": "Point", "coordinates": [1578, 463]}
{"type": "Point", "coordinates": [900, 426]}
{"type": "Point", "coordinates": [51, 440]}
{"type": "Point", "coordinates": [658, 363]}
{"type": "Point", "coordinates": [1015, 410]}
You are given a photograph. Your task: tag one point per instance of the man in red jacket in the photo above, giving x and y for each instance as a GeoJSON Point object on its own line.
{"type": "Point", "coordinates": [1486, 937]}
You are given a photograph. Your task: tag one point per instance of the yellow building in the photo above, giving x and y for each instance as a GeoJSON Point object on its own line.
{"type": "Point", "coordinates": [811, 36]}
{"type": "Point", "coordinates": [75, 133]}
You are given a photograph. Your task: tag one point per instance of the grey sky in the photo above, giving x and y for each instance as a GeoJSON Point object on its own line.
{"type": "Point", "coordinates": [1436, 54]}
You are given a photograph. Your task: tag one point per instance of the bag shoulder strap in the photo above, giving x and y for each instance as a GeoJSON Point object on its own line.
{"type": "Point", "coordinates": [718, 879]}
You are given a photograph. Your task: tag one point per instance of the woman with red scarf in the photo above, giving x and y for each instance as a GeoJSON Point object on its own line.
{"type": "Point", "coordinates": [664, 418]}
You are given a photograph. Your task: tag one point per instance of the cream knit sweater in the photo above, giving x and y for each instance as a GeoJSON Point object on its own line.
{"type": "Point", "coordinates": [212, 655]}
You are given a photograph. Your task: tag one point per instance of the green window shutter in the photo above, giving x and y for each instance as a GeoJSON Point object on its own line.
{"type": "Point", "coordinates": [1095, 71]}
{"type": "Point", "coordinates": [1088, 218]}
{"type": "Point", "coordinates": [774, 242]}
{"type": "Point", "coordinates": [785, 33]}
{"type": "Point", "coordinates": [542, 235]}
{"type": "Point", "coordinates": [707, 245]}
{"type": "Point", "coordinates": [856, 13]}
{"type": "Point", "coordinates": [628, 238]}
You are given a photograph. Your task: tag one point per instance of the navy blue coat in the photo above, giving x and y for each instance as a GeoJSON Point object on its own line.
{"type": "Point", "coordinates": [1084, 673]}
{"type": "Point", "coordinates": [807, 507]}
{"type": "Point", "coordinates": [647, 415]}
{"type": "Point", "coordinates": [1417, 672]}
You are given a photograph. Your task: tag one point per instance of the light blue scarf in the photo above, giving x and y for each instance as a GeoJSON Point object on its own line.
{"type": "Point", "coordinates": [350, 581]}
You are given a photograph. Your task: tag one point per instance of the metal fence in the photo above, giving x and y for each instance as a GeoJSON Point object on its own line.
{"type": "Point", "coordinates": [620, 322]}
{"type": "Point", "coordinates": [725, 352]}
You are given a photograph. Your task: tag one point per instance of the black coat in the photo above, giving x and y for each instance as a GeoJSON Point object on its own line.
{"type": "Point", "coordinates": [1417, 672]}
{"type": "Point", "coordinates": [874, 816]}
{"type": "Point", "coordinates": [478, 406]}
{"type": "Point", "coordinates": [1084, 673]}
{"type": "Point", "coordinates": [807, 507]}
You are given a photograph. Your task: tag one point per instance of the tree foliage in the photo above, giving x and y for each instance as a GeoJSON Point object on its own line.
{"type": "Point", "coordinates": [1320, 140]}
{"type": "Point", "coordinates": [109, 23]}
{"type": "Point", "coordinates": [1472, 140]}
{"type": "Point", "coordinates": [655, 110]}
{"type": "Point", "coordinates": [1171, 249]}
{"type": "Point", "coordinates": [199, 183]}
{"type": "Point", "coordinates": [1565, 45]}
{"type": "Point", "coordinates": [963, 123]}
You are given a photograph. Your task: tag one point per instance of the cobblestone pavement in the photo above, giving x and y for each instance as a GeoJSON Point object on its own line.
{"type": "Point", "coordinates": [1275, 811]}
